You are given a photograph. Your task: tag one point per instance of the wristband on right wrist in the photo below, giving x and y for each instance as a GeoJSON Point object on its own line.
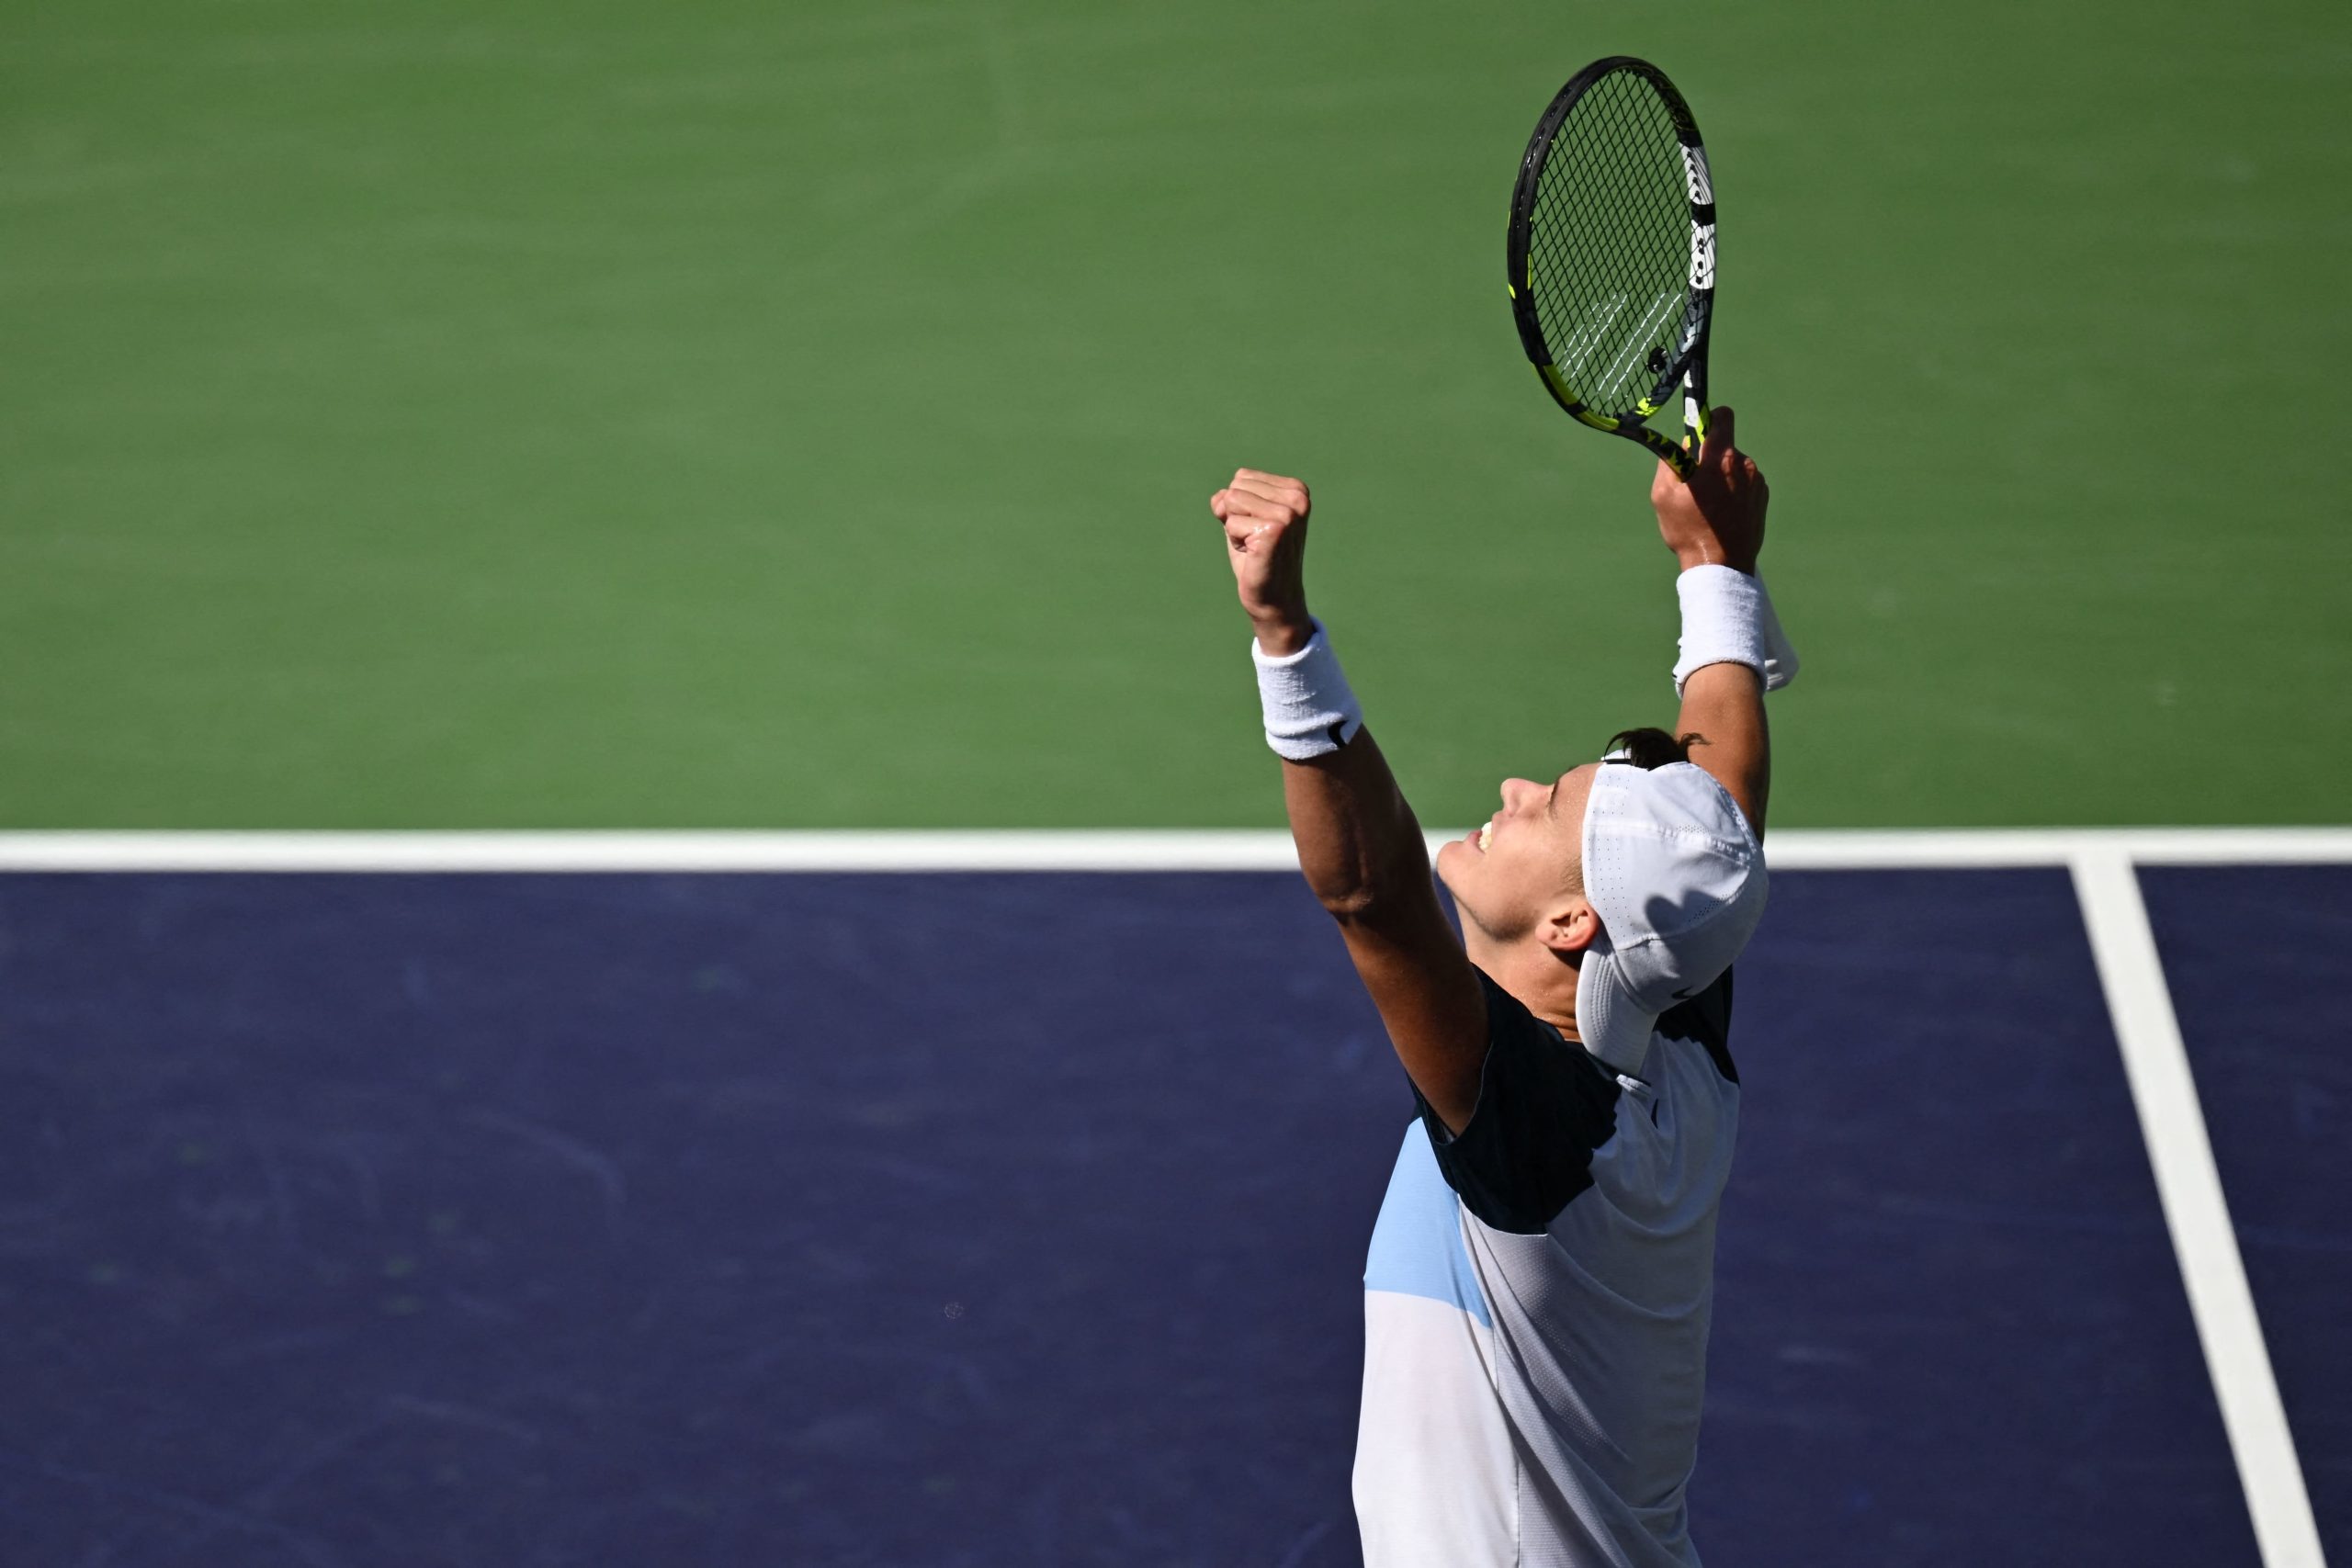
{"type": "Point", "coordinates": [1309, 708]}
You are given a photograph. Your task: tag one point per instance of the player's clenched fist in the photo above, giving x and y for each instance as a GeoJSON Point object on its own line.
{"type": "Point", "coordinates": [1265, 538]}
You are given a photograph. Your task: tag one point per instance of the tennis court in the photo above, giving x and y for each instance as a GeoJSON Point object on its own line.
{"type": "Point", "coordinates": [899, 1216]}
{"type": "Point", "coordinates": [642, 918]}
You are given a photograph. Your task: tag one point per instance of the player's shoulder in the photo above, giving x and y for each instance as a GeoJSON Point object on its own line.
{"type": "Point", "coordinates": [1544, 1106]}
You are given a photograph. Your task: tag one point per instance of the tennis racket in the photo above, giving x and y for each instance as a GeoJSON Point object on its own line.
{"type": "Point", "coordinates": [1612, 253]}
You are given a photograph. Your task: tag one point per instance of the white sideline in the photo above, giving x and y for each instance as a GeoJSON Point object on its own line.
{"type": "Point", "coordinates": [1060, 850]}
{"type": "Point", "coordinates": [2172, 1124]}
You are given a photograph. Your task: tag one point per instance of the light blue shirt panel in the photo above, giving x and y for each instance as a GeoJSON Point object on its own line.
{"type": "Point", "coordinates": [1416, 1242]}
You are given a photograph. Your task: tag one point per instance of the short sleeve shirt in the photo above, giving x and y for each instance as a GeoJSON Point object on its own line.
{"type": "Point", "coordinates": [1537, 1303]}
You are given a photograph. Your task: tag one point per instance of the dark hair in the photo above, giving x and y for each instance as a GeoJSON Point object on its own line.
{"type": "Point", "coordinates": [1649, 748]}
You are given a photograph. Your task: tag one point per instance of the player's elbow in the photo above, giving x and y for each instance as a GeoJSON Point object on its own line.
{"type": "Point", "coordinates": [1349, 904]}
{"type": "Point", "coordinates": [1374, 896]}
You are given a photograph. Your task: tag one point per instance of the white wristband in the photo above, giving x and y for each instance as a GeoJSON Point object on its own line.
{"type": "Point", "coordinates": [1310, 710]}
{"type": "Point", "coordinates": [1727, 618]}
{"type": "Point", "coordinates": [1780, 658]}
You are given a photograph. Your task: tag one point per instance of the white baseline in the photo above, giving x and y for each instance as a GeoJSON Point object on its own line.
{"type": "Point", "coordinates": [1120, 850]}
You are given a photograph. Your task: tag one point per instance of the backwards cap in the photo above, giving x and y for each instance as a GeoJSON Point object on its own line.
{"type": "Point", "coordinates": [1677, 876]}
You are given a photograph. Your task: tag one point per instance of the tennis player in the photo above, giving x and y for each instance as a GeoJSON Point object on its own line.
{"type": "Point", "coordinates": [1537, 1293]}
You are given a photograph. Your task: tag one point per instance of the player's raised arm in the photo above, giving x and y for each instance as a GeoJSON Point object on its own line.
{"type": "Point", "coordinates": [1357, 843]}
{"type": "Point", "coordinates": [1732, 649]}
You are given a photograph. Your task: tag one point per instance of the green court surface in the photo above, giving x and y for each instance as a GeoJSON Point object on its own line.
{"type": "Point", "coordinates": [696, 414]}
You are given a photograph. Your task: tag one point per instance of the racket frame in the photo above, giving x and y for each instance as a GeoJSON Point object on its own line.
{"type": "Point", "coordinates": [1688, 365]}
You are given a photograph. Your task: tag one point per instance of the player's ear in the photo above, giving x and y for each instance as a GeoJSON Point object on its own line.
{"type": "Point", "coordinates": [1570, 929]}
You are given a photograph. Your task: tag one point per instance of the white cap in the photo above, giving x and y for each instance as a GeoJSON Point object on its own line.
{"type": "Point", "coordinates": [1677, 879]}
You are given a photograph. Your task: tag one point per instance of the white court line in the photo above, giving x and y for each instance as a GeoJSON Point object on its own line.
{"type": "Point", "coordinates": [918, 849]}
{"type": "Point", "coordinates": [907, 850]}
{"type": "Point", "coordinates": [2172, 1124]}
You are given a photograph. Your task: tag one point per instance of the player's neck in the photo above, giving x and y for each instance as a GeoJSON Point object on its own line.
{"type": "Point", "coordinates": [1544, 981]}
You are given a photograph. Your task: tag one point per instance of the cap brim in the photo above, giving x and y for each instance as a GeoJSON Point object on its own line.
{"type": "Point", "coordinates": [1614, 1028]}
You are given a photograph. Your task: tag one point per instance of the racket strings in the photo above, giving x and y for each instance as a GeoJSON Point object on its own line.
{"type": "Point", "coordinates": [1609, 246]}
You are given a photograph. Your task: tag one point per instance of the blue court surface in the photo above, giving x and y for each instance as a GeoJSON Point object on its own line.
{"type": "Point", "coordinates": [1020, 1219]}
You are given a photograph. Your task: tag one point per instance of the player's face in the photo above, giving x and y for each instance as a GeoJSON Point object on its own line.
{"type": "Point", "coordinates": [1524, 867]}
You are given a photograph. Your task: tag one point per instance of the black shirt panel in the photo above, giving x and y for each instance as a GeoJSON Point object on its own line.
{"type": "Point", "coordinates": [1706, 1019]}
{"type": "Point", "coordinates": [1544, 1106]}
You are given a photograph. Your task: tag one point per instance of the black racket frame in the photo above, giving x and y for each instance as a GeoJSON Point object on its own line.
{"type": "Point", "coordinates": [1689, 364]}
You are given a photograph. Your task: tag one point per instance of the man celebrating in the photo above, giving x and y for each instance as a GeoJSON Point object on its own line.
{"type": "Point", "coordinates": [1538, 1289]}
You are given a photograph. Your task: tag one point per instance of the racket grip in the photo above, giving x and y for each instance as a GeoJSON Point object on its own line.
{"type": "Point", "coordinates": [1694, 420]}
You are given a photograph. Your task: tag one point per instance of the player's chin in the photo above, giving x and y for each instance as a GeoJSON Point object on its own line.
{"type": "Point", "coordinates": [1449, 859]}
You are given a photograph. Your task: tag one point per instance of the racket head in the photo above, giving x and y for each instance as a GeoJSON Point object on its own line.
{"type": "Point", "coordinates": [1611, 252]}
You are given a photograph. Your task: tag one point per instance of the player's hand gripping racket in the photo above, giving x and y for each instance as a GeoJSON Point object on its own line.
{"type": "Point", "coordinates": [1612, 253]}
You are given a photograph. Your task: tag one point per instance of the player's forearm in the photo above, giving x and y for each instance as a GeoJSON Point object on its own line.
{"type": "Point", "coordinates": [1723, 708]}
{"type": "Point", "coordinates": [1359, 845]}
{"type": "Point", "coordinates": [1732, 649]}
{"type": "Point", "coordinates": [1358, 842]}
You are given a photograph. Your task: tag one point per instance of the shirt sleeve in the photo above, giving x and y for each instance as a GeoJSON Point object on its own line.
{"type": "Point", "coordinates": [1544, 1106]}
